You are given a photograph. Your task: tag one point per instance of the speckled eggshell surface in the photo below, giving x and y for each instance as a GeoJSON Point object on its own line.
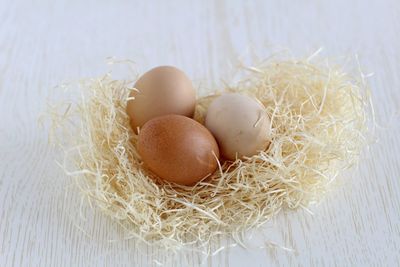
{"type": "Point", "coordinates": [239, 124]}
{"type": "Point", "coordinates": [178, 149]}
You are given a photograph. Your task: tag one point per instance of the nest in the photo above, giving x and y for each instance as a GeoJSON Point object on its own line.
{"type": "Point", "coordinates": [318, 116]}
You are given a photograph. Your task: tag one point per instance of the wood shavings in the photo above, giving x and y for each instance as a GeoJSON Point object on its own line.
{"type": "Point", "coordinates": [318, 118]}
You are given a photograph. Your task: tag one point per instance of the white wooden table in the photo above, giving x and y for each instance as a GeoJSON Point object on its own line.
{"type": "Point", "coordinates": [43, 43]}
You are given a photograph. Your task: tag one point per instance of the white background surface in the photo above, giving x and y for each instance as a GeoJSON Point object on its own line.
{"type": "Point", "coordinates": [43, 43]}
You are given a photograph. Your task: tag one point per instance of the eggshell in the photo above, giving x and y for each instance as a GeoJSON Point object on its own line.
{"type": "Point", "coordinates": [160, 91]}
{"type": "Point", "coordinates": [178, 149]}
{"type": "Point", "coordinates": [239, 124]}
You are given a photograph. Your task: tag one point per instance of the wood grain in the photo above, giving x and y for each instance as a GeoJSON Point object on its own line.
{"type": "Point", "coordinates": [43, 43]}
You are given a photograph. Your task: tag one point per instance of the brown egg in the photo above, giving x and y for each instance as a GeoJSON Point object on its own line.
{"type": "Point", "coordinates": [178, 149]}
{"type": "Point", "coordinates": [160, 91]}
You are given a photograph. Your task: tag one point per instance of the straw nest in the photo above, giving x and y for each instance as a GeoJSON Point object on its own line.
{"type": "Point", "coordinates": [318, 116]}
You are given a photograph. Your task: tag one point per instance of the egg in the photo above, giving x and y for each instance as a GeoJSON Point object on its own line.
{"type": "Point", "coordinates": [239, 124]}
{"type": "Point", "coordinates": [160, 91]}
{"type": "Point", "coordinates": [178, 149]}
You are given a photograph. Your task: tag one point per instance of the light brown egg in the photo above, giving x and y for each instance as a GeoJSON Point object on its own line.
{"type": "Point", "coordinates": [178, 149]}
{"type": "Point", "coordinates": [160, 91]}
{"type": "Point", "coordinates": [239, 124]}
